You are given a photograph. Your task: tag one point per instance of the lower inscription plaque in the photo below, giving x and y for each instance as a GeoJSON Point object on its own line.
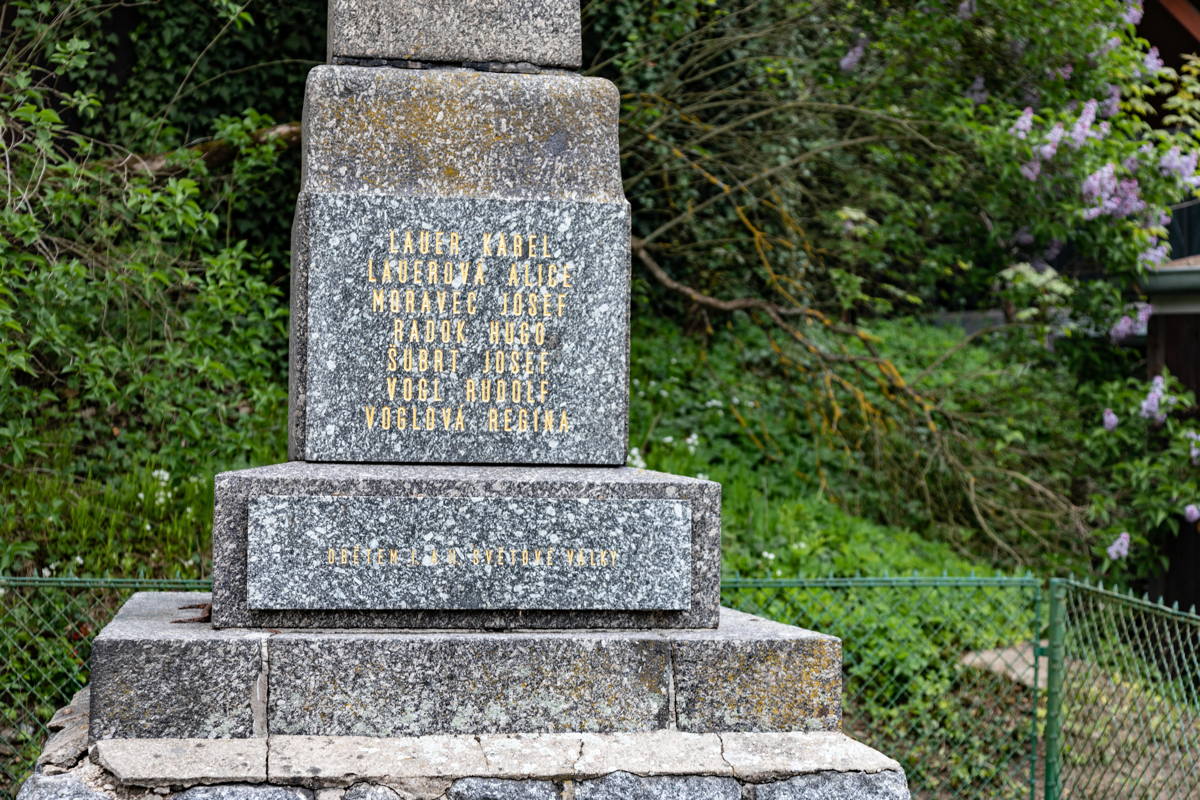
{"type": "Point", "coordinates": [359, 552]}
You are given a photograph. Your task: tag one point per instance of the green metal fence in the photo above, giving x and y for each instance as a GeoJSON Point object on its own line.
{"type": "Point", "coordinates": [981, 687]}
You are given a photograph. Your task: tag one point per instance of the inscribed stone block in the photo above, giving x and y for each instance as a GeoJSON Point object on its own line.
{"type": "Point", "coordinates": [661, 568]}
{"type": "Point", "coordinates": [338, 552]}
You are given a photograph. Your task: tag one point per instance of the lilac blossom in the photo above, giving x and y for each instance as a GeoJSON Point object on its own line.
{"type": "Point", "coordinates": [1120, 547]}
{"type": "Point", "coordinates": [1112, 104]}
{"type": "Point", "coordinates": [1176, 162]}
{"type": "Point", "coordinates": [1152, 63]}
{"type": "Point", "coordinates": [1112, 197]}
{"type": "Point", "coordinates": [1110, 420]}
{"type": "Point", "coordinates": [1021, 127]}
{"type": "Point", "coordinates": [1023, 236]}
{"type": "Point", "coordinates": [1133, 12]}
{"type": "Point", "coordinates": [1121, 329]}
{"type": "Point", "coordinates": [1193, 447]}
{"type": "Point", "coordinates": [977, 94]}
{"type": "Point", "coordinates": [1191, 512]}
{"type": "Point", "coordinates": [1154, 256]}
{"type": "Point", "coordinates": [1052, 250]}
{"type": "Point", "coordinates": [849, 62]}
{"type": "Point", "coordinates": [1031, 169]}
{"type": "Point", "coordinates": [1065, 71]}
{"type": "Point", "coordinates": [1110, 44]}
{"type": "Point", "coordinates": [966, 9]}
{"type": "Point", "coordinates": [1152, 405]}
{"type": "Point", "coordinates": [1082, 131]}
{"type": "Point", "coordinates": [1056, 134]}
{"type": "Point", "coordinates": [1144, 312]}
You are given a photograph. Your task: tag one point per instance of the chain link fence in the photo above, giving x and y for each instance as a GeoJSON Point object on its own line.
{"type": "Point", "coordinates": [981, 687]}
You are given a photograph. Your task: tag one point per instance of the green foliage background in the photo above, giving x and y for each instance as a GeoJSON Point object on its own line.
{"type": "Point", "coordinates": [144, 310]}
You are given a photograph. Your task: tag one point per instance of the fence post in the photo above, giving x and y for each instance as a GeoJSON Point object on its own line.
{"type": "Point", "coordinates": [1054, 681]}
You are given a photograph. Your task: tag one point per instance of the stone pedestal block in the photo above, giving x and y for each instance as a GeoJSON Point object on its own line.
{"type": "Point", "coordinates": [153, 678]}
{"type": "Point", "coordinates": [545, 32]}
{"type": "Point", "coordinates": [460, 276]}
{"type": "Point", "coordinates": [387, 546]}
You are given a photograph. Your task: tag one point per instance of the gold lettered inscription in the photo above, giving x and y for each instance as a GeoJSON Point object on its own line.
{"type": "Point", "coordinates": [443, 368]}
{"type": "Point", "coordinates": [475, 556]}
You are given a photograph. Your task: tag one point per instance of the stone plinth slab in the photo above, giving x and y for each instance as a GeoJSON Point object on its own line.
{"type": "Point", "coordinates": [152, 678]}
{"type": "Point", "coordinates": [645, 567]}
{"type": "Point", "coordinates": [544, 32]}
{"type": "Point", "coordinates": [183, 762]}
{"type": "Point", "coordinates": [195, 682]}
{"type": "Point", "coordinates": [461, 133]}
{"type": "Point", "coordinates": [452, 330]}
{"type": "Point", "coordinates": [330, 552]}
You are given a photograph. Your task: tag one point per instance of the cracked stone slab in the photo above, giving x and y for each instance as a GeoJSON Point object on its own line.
{"type": "Point", "coordinates": [155, 679]}
{"type": "Point", "coordinates": [183, 762]}
{"type": "Point", "coordinates": [749, 757]}
{"type": "Point", "coordinates": [888, 785]}
{"type": "Point", "coordinates": [73, 712]}
{"type": "Point", "coordinates": [544, 32]}
{"type": "Point", "coordinates": [236, 491]}
{"type": "Point", "coordinates": [461, 133]}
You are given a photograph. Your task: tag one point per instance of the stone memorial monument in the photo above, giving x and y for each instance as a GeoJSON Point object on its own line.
{"type": "Point", "coordinates": [456, 589]}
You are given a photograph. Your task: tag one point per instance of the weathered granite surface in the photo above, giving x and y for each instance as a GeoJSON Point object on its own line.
{"type": "Point", "coordinates": [244, 792]}
{"type": "Point", "coordinates": [349, 684]}
{"type": "Point", "coordinates": [540, 31]}
{"type": "Point", "coordinates": [234, 491]}
{"type": "Point", "coordinates": [58, 787]}
{"type": "Point", "coordinates": [624, 786]}
{"type": "Point", "coordinates": [152, 678]}
{"type": "Point", "coordinates": [327, 552]}
{"type": "Point", "coordinates": [460, 330]}
{"type": "Point", "coordinates": [461, 133]}
{"type": "Point", "coordinates": [191, 681]}
{"type": "Point", "coordinates": [767, 677]}
{"type": "Point", "coordinates": [499, 789]}
{"type": "Point", "coordinates": [889, 785]}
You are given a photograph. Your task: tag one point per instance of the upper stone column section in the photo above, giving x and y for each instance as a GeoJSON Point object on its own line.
{"type": "Point", "coordinates": [544, 33]}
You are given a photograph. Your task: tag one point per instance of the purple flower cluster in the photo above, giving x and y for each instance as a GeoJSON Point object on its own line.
{"type": "Point", "coordinates": [1112, 104]}
{"type": "Point", "coordinates": [1191, 512]}
{"type": "Point", "coordinates": [1193, 447]}
{"type": "Point", "coordinates": [1133, 12]}
{"type": "Point", "coordinates": [1176, 162]}
{"type": "Point", "coordinates": [1082, 130]}
{"type": "Point", "coordinates": [1110, 44]}
{"type": "Point", "coordinates": [1112, 197]}
{"type": "Point", "coordinates": [1144, 312]}
{"type": "Point", "coordinates": [1052, 250]}
{"type": "Point", "coordinates": [1031, 169]}
{"type": "Point", "coordinates": [1110, 420]}
{"type": "Point", "coordinates": [1024, 123]}
{"type": "Point", "coordinates": [966, 9]}
{"type": "Point", "coordinates": [1154, 255]}
{"type": "Point", "coordinates": [1056, 134]}
{"type": "Point", "coordinates": [1121, 330]}
{"type": "Point", "coordinates": [1155, 400]}
{"type": "Point", "coordinates": [1152, 63]}
{"type": "Point", "coordinates": [1120, 547]}
{"type": "Point", "coordinates": [849, 62]}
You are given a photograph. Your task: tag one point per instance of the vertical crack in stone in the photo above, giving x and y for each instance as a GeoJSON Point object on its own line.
{"type": "Point", "coordinates": [258, 699]}
{"type": "Point", "coordinates": [672, 723]}
{"type": "Point", "coordinates": [732, 771]}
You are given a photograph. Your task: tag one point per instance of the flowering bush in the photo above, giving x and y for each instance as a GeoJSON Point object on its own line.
{"type": "Point", "coordinates": [1143, 458]}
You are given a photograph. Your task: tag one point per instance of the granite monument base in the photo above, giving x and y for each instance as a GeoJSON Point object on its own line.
{"type": "Point", "coordinates": [300, 545]}
{"type": "Point", "coordinates": [155, 678]}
